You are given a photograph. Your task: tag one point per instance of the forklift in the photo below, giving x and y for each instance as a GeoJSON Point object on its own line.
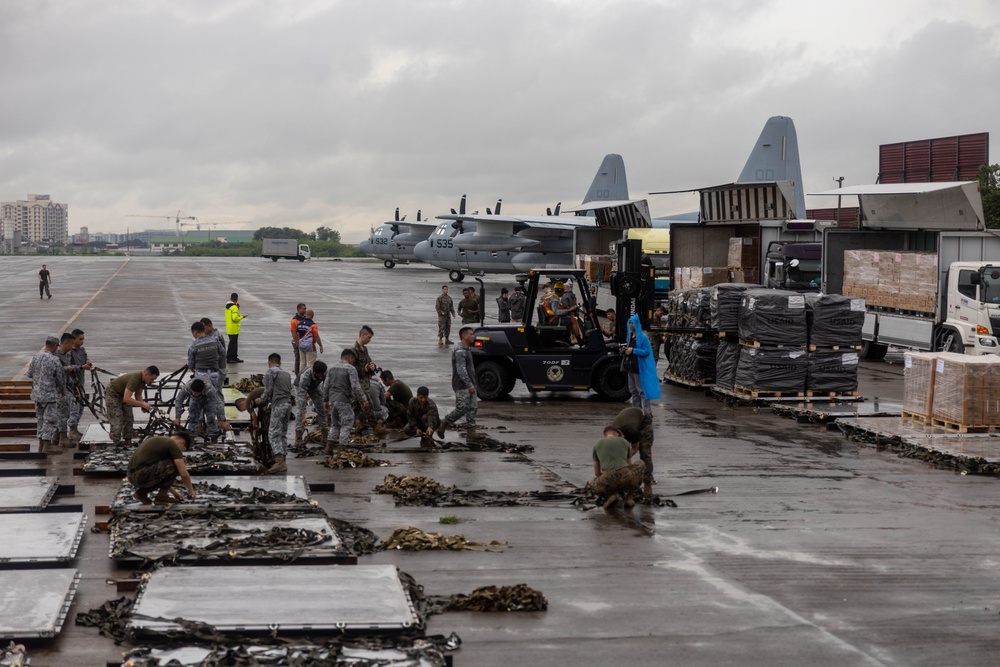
{"type": "Point", "coordinates": [538, 352]}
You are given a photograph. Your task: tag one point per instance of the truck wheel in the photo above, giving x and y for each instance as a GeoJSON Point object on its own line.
{"type": "Point", "coordinates": [274, 259]}
{"type": "Point", "coordinates": [302, 259]}
{"type": "Point", "coordinates": [388, 263]}
{"type": "Point", "coordinates": [492, 380]}
{"type": "Point", "coordinates": [456, 276]}
{"type": "Point", "coordinates": [873, 351]}
{"type": "Point", "coordinates": [949, 341]}
{"type": "Point", "coordinates": [611, 382]}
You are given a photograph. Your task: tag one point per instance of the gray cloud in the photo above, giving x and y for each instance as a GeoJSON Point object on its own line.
{"type": "Point", "coordinates": [334, 113]}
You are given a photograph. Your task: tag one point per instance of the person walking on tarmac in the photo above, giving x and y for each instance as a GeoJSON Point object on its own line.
{"type": "Point", "coordinates": [463, 374]}
{"type": "Point", "coordinates": [445, 308]}
{"type": "Point", "coordinates": [233, 319]}
{"type": "Point", "coordinates": [638, 362]}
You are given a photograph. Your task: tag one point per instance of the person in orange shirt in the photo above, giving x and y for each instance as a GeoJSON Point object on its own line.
{"type": "Point", "coordinates": [309, 342]}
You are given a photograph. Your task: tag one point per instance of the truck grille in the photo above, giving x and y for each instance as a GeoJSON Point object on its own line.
{"type": "Point", "coordinates": [995, 325]}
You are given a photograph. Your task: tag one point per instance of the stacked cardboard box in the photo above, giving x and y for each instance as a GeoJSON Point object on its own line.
{"type": "Point", "coordinates": [696, 277]}
{"type": "Point", "coordinates": [744, 253]}
{"type": "Point", "coordinates": [918, 383]}
{"type": "Point", "coordinates": [900, 280]}
{"type": "Point", "coordinates": [967, 390]}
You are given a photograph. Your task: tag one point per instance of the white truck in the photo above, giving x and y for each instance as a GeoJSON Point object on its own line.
{"type": "Point", "coordinates": [275, 249]}
{"type": "Point", "coordinates": [961, 312]}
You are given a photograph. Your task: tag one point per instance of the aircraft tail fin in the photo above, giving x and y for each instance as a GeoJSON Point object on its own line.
{"type": "Point", "coordinates": [609, 183]}
{"type": "Point", "coordinates": [775, 157]}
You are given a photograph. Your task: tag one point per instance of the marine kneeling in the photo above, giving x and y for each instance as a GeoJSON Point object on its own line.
{"type": "Point", "coordinates": [155, 465]}
{"type": "Point", "coordinates": [613, 468]}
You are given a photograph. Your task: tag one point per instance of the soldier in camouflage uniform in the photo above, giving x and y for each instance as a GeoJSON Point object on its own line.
{"type": "Point", "coordinates": [124, 393]}
{"type": "Point", "coordinates": [445, 308]}
{"type": "Point", "coordinates": [65, 355]}
{"type": "Point", "coordinates": [48, 390]}
{"type": "Point", "coordinates": [421, 414]}
{"type": "Point", "coordinates": [636, 426]}
{"type": "Point", "coordinates": [278, 396]}
{"type": "Point", "coordinates": [613, 469]}
{"type": "Point", "coordinates": [342, 385]}
{"type": "Point", "coordinates": [212, 332]}
{"type": "Point", "coordinates": [81, 362]}
{"type": "Point", "coordinates": [463, 382]}
{"type": "Point", "coordinates": [365, 368]}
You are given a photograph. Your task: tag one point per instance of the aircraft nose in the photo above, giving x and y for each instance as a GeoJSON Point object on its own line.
{"type": "Point", "coordinates": [422, 251]}
{"type": "Point", "coordinates": [365, 246]}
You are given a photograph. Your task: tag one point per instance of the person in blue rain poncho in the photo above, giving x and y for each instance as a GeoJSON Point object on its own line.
{"type": "Point", "coordinates": [642, 381]}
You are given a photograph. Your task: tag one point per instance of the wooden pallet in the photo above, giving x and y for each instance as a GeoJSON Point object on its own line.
{"type": "Point", "coordinates": [916, 417]}
{"type": "Point", "coordinates": [760, 393]}
{"type": "Point", "coordinates": [830, 394]}
{"type": "Point", "coordinates": [688, 382]}
{"type": "Point", "coordinates": [758, 344]}
{"type": "Point", "coordinates": [835, 348]}
{"type": "Point", "coordinates": [955, 427]}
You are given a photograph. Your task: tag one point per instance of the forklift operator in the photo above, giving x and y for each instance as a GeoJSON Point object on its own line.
{"type": "Point", "coordinates": [565, 311]}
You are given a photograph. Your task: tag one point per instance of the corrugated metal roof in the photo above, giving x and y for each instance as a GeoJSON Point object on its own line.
{"type": "Point", "coordinates": [934, 160]}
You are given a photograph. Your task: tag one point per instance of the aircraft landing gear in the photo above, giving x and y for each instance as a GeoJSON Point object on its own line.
{"type": "Point", "coordinates": [456, 276]}
{"type": "Point", "coordinates": [388, 263]}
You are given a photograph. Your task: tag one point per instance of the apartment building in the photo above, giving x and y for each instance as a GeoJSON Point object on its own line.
{"type": "Point", "coordinates": [38, 218]}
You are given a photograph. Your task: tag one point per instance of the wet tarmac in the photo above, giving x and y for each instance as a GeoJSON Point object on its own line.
{"type": "Point", "coordinates": [816, 550]}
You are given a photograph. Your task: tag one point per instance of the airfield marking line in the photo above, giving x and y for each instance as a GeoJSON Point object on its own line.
{"type": "Point", "coordinates": [24, 371]}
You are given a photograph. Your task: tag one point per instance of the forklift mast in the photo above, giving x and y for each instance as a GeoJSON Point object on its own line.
{"type": "Point", "coordinates": [632, 285]}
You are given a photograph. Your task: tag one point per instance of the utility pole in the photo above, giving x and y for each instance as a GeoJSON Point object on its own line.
{"type": "Point", "coordinates": [840, 184]}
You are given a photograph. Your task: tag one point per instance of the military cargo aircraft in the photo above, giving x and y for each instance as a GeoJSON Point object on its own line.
{"type": "Point", "coordinates": [393, 242]}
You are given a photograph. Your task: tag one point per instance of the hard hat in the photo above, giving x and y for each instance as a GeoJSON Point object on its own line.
{"type": "Point", "coordinates": [558, 286]}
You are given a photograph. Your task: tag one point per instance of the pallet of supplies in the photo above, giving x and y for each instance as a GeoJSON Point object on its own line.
{"type": "Point", "coordinates": [832, 372]}
{"type": "Point", "coordinates": [834, 320]}
{"type": "Point", "coordinates": [725, 305]}
{"type": "Point", "coordinates": [966, 392]}
{"type": "Point", "coordinates": [774, 371]}
{"type": "Point", "coordinates": [770, 317]}
{"type": "Point", "coordinates": [918, 386]}
{"type": "Point", "coordinates": [744, 253]}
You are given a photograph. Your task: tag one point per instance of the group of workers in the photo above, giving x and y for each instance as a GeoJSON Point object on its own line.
{"type": "Point", "coordinates": [354, 386]}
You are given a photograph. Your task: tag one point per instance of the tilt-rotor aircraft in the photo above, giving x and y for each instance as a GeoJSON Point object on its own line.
{"type": "Point", "coordinates": [393, 242]}
{"type": "Point", "coordinates": [494, 243]}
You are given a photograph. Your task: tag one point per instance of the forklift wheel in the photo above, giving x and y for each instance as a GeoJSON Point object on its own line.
{"type": "Point", "coordinates": [493, 380]}
{"type": "Point", "coordinates": [611, 382]}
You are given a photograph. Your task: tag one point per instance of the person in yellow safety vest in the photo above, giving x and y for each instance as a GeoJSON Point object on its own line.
{"type": "Point", "coordinates": [233, 319]}
{"type": "Point", "coordinates": [546, 306]}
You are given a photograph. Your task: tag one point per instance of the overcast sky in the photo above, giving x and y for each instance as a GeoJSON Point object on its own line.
{"type": "Point", "coordinates": [315, 112]}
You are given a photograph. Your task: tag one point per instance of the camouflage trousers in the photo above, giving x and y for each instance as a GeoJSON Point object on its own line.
{"type": "Point", "coordinates": [316, 396]}
{"type": "Point", "coordinates": [341, 422]}
{"type": "Point", "coordinates": [48, 419]}
{"type": "Point", "coordinates": [444, 326]}
{"type": "Point", "coordinates": [646, 446]}
{"type": "Point", "coordinates": [154, 475]}
{"type": "Point", "coordinates": [623, 480]}
{"type": "Point", "coordinates": [278, 431]}
{"type": "Point", "coordinates": [65, 406]}
{"type": "Point", "coordinates": [120, 417]}
{"type": "Point", "coordinates": [397, 414]}
{"type": "Point", "coordinates": [466, 405]}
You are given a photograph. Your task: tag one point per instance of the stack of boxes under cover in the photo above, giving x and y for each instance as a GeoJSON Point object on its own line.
{"type": "Point", "coordinates": [691, 355]}
{"type": "Point", "coordinates": [890, 279]}
{"type": "Point", "coordinates": [834, 324]}
{"type": "Point", "coordinates": [773, 338]}
{"type": "Point", "coordinates": [956, 392]}
{"type": "Point", "coordinates": [725, 318]}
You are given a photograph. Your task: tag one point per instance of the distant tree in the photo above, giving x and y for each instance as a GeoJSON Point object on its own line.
{"type": "Point", "coordinates": [280, 233]}
{"type": "Point", "coordinates": [327, 234]}
{"type": "Point", "coordinates": [989, 189]}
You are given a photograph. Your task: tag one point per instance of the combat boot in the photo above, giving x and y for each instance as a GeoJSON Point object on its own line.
{"type": "Point", "coordinates": [61, 439]}
{"type": "Point", "coordinates": [448, 342]}
{"type": "Point", "coordinates": [75, 435]}
{"type": "Point", "coordinates": [328, 450]}
{"type": "Point", "coordinates": [44, 445]}
{"type": "Point", "coordinates": [325, 433]}
{"type": "Point", "coordinates": [379, 429]}
{"type": "Point", "coordinates": [611, 501]}
{"type": "Point", "coordinates": [440, 341]}
{"type": "Point", "coordinates": [629, 503]}
{"type": "Point", "coordinates": [299, 435]}
{"type": "Point", "coordinates": [647, 489]}
{"type": "Point", "coordinates": [441, 429]}
{"type": "Point", "coordinates": [473, 434]}
{"type": "Point", "coordinates": [279, 465]}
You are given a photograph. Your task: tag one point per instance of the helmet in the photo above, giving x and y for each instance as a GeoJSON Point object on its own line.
{"type": "Point", "coordinates": [559, 286]}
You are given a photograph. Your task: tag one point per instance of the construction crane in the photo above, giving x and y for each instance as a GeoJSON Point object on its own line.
{"type": "Point", "coordinates": [212, 223]}
{"type": "Point", "coordinates": [176, 218]}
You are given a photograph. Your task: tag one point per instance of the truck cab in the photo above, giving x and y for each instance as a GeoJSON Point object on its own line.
{"type": "Point", "coordinates": [794, 266]}
{"type": "Point", "coordinates": [972, 316]}
{"type": "Point", "coordinates": [537, 351]}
